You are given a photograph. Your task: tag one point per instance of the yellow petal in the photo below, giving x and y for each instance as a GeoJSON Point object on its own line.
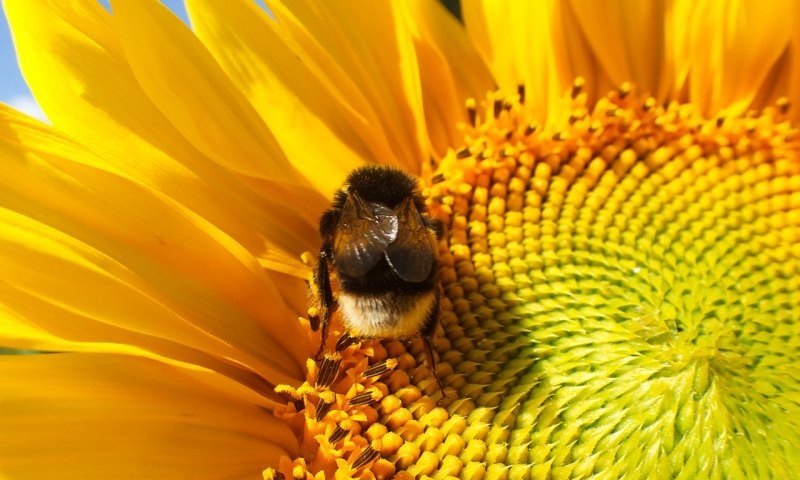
{"type": "Point", "coordinates": [518, 42]}
{"type": "Point", "coordinates": [640, 42]}
{"type": "Point", "coordinates": [147, 242]}
{"type": "Point", "coordinates": [575, 54]}
{"type": "Point", "coordinates": [488, 27]}
{"type": "Point", "coordinates": [793, 90]}
{"type": "Point", "coordinates": [451, 71]}
{"type": "Point", "coordinates": [320, 133]}
{"type": "Point", "coordinates": [366, 49]}
{"type": "Point", "coordinates": [100, 102]}
{"type": "Point", "coordinates": [74, 333]}
{"type": "Point", "coordinates": [732, 55]}
{"type": "Point", "coordinates": [93, 298]}
{"type": "Point", "coordinates": [108, 416]}
{"type": "Point", "coordinates": [440, 30]}
{"type": "Point", "coordinates": [191, 90]}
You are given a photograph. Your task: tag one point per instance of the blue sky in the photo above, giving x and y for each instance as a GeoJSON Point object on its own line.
{"type": "Point", "coordinates": [13, 90]}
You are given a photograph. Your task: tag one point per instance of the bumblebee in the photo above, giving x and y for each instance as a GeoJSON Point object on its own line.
{"type": "Point", "coordinates": [380, 246]}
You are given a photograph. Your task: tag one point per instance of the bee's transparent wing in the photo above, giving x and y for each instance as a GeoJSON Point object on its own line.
{"type": "Point", "coordinates": [362, 235]}
{"type": "Point", "coordinates": [411, 255]}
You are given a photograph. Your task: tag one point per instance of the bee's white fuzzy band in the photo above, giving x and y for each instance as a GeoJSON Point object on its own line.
{"type": "Point", "coordinates": [386, 315]}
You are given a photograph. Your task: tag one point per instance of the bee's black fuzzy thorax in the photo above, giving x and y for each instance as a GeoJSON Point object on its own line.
{"type": "Point", "coordinates": [382, 184]}
{"type": "Point", "coordinates": [389, 186]}
{"type": "Point", "coordinates": [373, 183]}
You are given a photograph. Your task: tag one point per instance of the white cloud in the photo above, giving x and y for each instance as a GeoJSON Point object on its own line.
{"type": "Point", "coordinates": [26, 104]}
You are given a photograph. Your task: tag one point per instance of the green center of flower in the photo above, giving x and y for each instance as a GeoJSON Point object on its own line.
{"type": "Point", "coordinates": [620, 302]}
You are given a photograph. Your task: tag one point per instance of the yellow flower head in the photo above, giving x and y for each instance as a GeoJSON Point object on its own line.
{"type": "Point", "coordinates": [619, 184]}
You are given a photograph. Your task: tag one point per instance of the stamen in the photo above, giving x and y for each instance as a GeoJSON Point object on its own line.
{"type": "Point", "coordinates": [463, 153]}
{"type": "Point", "coordinates": [380, 368]}
{"type": "Point", "coordinates": [271, 474]}
{"type": "Point", "coordinates": [624, 89]}
{"type": "Point", "coordinates": [366, 398]}
{"type": "Point", "coordinates": [338, 434]}
{"type": "Point", "coordinates": [577, 87]}
{"type": "Point", "coordinates": [472, 111]}
{"type": "Point", "coordinates": [345, 341]}
{"type": "Point", "coordinates": [323, 408]}
{"type": "Point", "coordinates": [521, 92]}
{"type": "Point", "coordinates": [783, 105]}
{"type": "Point", "coordinates": [328, 370]}
{"type": "Point", "coordinates": [497, 107]}
{"type": "Point", "coordinates": [367, 455]}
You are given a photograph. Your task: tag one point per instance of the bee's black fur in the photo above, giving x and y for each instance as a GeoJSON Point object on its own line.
{"type": "Point", "coordinates": [386, 185]}
{"type": "Point", "coordinates": [389, 186]}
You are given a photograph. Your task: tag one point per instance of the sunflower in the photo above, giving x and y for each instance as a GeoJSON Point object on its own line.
{"type": "Point", "coordinates": [620, 186]}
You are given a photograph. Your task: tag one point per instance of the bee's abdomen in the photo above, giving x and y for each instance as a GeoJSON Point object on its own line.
{"type": "Point", "coordinates": [382, 280]}
{"type": "Point", "coordinates": [386, 315]}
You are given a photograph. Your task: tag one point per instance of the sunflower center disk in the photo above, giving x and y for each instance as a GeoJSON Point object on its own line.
{"type": "Point", "coordinates": [620, 299]}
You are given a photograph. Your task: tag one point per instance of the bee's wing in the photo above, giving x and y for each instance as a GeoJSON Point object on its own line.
{"type": "Point", "coordinates": [363, 232]}
{"type": "Point", "coordinates": [411, 255]}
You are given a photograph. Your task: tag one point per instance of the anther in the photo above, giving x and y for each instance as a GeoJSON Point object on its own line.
{"type": "Point", "coordinates": [531, 128]}
{"type": "Point", "coordinates": [328, 370]}
{"type": "Point", "coordinates": [379, 368]}
{"type": "Point", "coordinates": [438, 178]}
{"type": "Point", "coordinates": [323, 407]}
{"type": "Point", "coordinates": [367, 455]}
{"type": "Point", "coordinates": [271, 474]}
{"type": "Point", "coordinates": [463, 153]}
{"type": "Point", "coordinates": [365, 398]}
{"type": "Point", "coordinates": [624, 89]}
{"type": "Point", "coordinates": [497, 106]}
{"type": "Point", "coordinates": [344, 341]}
{"type": "Point", "coordinates": [521, 92]}
{"type": "Point", "coordinates": [577, 86]}
{"type": "Point", "coordinates": [338, 434]}
{"type": "Point", "coordinates": [472, 111]}
{"type": "Point", "coordinates": [783, 105]}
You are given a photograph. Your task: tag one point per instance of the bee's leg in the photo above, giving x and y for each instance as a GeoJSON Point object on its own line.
{"type": "Point", "coordinates": [428, 328]}
{"type": "Point", "coordinates": [322, 278]}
